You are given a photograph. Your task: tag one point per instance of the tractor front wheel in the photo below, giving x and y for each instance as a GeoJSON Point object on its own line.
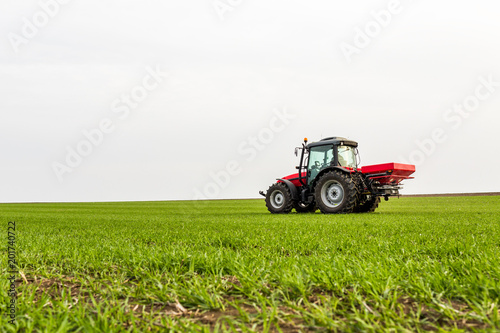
{"type": "Point", "coordinates": [279, 199]}
{"type": "Point", "coordinates": [335, 193]}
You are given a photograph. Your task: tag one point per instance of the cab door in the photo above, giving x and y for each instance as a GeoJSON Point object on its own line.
{"type": "Point", "coordinates": [320, 157]}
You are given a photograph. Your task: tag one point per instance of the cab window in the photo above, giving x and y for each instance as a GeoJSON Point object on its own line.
{"type": "Point", "coordinates": [347, 156]}
{"type": "Point", "coordinates": [319, 158]}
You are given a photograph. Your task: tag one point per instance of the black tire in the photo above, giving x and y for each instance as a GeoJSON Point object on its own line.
{"type": "Point", "coordinates": [335, 193]}
{"type": "Point", "coordinates": [300, 207]}
{"type": "Point", "coordinates": [360, 188]}
{"type": "Point", "coordinates": [278, 199]}
{"type": "Point", "coordinates": [368, 206]}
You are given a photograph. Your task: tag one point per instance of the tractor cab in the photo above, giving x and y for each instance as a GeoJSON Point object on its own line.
{"type": "Point", "coordinates": [329, 152]}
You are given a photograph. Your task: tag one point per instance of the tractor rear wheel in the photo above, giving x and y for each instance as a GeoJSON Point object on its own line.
{"type": "Point", "coordinates": [335, 193]}
{"type": "Point", "coordinates": [279, 199]}
{"type": "Point", "coordinates": [368, 206]}
{"type": "Point", "coordinates": [301, 207]}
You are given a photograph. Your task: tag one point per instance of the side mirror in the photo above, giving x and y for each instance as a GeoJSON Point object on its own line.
{"type": "Point", "coordinates": [296, 151]}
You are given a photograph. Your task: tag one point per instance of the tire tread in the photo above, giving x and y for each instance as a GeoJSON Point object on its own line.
{"type": "Point", "coordinates": [288, 204]}
{"type": "Point", "coordinates": [350, 193]}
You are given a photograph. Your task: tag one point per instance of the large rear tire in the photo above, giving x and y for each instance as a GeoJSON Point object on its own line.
{"type": "Point", "coordinates": [335, 193]}
{"type": "Point", "coordinates": [279, 199]}
{"type": "Point", "coordinates": [368, 206]}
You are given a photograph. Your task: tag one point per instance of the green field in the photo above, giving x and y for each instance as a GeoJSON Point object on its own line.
{"type": "Point", "coordinates": [416, 264]}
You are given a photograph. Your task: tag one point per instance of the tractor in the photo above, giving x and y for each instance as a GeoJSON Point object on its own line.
{"type": "Point", "coordinates": [330, 180]}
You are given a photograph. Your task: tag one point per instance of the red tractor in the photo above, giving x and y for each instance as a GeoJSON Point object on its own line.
{"type": "Point", "coordinates": [329, 179]}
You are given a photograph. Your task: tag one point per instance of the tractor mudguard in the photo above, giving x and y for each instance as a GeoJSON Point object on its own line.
{"type": "Point", "coordinates": [330, 168]}
{"type": "Point", "coordinates": [337, 168]}
{"type": "Point", "coordinates": [292, 188]}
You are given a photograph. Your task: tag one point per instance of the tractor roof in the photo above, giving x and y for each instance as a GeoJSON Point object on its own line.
{"type": "Point", "coordinates": [334, 140]}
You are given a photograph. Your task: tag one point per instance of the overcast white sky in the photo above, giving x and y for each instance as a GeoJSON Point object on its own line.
{"type": "Point", "coordinates": [425, 68]}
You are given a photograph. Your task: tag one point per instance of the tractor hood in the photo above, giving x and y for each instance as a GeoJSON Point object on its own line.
{"type": "Point", "coordinates": [294, 178]}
